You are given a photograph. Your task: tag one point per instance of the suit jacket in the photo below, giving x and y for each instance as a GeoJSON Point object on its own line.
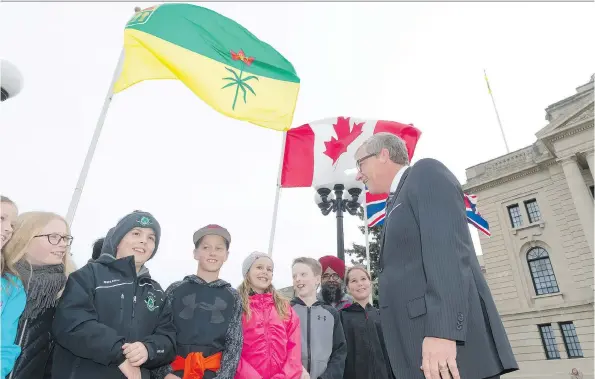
{"type": "Point", "coordinates": [430, 281]}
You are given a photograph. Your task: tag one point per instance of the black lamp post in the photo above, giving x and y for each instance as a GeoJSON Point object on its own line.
{"type": "Point", "coordinates": [328, 203]}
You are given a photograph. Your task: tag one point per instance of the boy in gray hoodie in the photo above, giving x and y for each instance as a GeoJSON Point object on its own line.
{"type": "Point", "coordinates": [323, 341]}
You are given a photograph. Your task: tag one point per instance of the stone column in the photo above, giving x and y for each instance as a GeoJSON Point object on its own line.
{"type": "Point", "coordinates": [581, 196]}
{"type": "Point", "coordinates": [590, 162]}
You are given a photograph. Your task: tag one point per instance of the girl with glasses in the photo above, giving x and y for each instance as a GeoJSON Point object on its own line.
{"type": "Point", "coordinates": [39, 250]}
{"type": "Point", "coordinates": [112, 321]}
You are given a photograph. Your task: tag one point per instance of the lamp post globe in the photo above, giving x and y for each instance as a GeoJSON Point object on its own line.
{"type": "Point", "coordinates": [11, 80]}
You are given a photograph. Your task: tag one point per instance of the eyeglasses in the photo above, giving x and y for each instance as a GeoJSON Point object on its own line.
{"type": "Point", "coordinates": [331, 276]}
{"type": "Point", "coordinates": [55, 238]}
{"type": "Point", "coordinates": [358, 163]}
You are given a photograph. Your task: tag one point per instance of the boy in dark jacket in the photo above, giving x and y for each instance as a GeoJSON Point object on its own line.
{"type": "Point", "coordinates": [323, 341]}
{"type": "Point", "coordinates": [112, 320]}
{"type": "Point", "coordinates": [207, 314]}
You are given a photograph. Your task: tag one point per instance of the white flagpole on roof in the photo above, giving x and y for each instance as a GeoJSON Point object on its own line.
{"type": "Point", "coordinates": [277, 196]}
{"type": "Point", "coordinates": [485, 75]}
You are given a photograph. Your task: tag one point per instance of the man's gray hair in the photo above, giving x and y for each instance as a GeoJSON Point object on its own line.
{"type": "Point", "coordinates": [397, 149]}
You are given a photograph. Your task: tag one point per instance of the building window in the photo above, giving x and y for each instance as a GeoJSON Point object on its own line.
{"type": "Point", "coordinates": [533, 210]}
{"type": "Point", "coordinates": [549, 341]}
{"type": "Point", "coordinates": [573, 346]}
{"type": "Point", "coordinates": [515, 215]}
{"type": "Point", "coordinates": [542, 271]}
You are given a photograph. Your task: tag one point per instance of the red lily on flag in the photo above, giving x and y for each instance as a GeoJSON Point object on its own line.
{"type": "Point", "coordinates": [241, 56]}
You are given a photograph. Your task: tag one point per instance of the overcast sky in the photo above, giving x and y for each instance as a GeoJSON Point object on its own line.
{"type": "Point", "coordinates": [163, 150]}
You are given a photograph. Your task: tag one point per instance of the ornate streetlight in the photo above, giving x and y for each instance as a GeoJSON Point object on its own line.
{"type": "Point", "coordinates": [329, 202]}
{"type": "Point", "coordinates": [11, 79]}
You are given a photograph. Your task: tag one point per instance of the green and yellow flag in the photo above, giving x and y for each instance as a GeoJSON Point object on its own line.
{"type": "Point", "coordinates": [219, 60]}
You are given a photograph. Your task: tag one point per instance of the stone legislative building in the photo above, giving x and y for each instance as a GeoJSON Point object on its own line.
{"type": "Point", "coordinates": [539, 260]}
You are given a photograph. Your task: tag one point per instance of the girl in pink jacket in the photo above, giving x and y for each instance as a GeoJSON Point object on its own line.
{"type": "Point", "coordinates": [272, 342]}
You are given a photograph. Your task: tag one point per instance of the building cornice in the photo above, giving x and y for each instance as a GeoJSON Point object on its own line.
{"type": "Point", "coordinates": [495, 182]}
{"type": "Point", "coordinates": [530, 159]}
{"type": "Point", "coordinates": [569, 100]}
{"type": "Point", "coordinates": [584, 115]}
{"type": "Point", "coordinates": [515, 165]}
{"type": "Point", "coordinates": [579, 127]}
{"type": "Point", "coordinates": [558, 309]}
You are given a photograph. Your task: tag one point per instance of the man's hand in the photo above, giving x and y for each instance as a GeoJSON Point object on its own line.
{"type": "Point", "coordinates": [136, 353]}
{"type": "Point", "coordinates": [171, 376]}
{"type": "Point", "coordinates": [439, 359]}
{"type": "Point", "coordinates": [129, 371]}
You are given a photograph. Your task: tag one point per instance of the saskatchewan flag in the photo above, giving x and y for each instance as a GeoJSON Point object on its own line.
{"type": "Point", "coordinates": [219, 60]}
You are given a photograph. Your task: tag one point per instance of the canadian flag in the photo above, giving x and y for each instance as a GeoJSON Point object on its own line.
{"type": "Point", "coordinates": [318, 154]}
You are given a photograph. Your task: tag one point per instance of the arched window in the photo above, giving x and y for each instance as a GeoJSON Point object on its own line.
{"type": "Point", "coordinates": [542, 271]}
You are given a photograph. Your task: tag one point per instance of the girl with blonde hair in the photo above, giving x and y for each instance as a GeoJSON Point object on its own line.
{"type": "Point", "coordinates": [272, 342]}
{"type": "Point", "coordinates": [13, 298]}
{"type": "Point", "coordinates": [39, 251]}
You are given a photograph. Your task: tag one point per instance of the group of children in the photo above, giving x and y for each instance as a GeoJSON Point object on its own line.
{"type": "Point", "coordinates": [110, 319]}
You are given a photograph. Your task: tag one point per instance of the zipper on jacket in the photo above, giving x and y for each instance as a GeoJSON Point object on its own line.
{"type": "Point", "coordinates": [309, 332]}
{"type": "Point", "coordinates": [121, 307]}
{"type": "Point", "coordinates": [134, 283]}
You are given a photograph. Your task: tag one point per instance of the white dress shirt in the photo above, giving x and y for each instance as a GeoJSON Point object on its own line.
{"type": "Point", "coordinates": [397, 179]}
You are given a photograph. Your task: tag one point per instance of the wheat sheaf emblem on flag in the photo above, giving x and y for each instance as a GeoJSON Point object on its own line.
{"type": "Point", "coordinates": [237, 80]}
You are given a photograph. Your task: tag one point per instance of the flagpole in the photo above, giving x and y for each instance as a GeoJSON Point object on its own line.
{"type": "Point", "coordinates": [485, 75]}
{"type": "Point", "coordinates": [76, 196]}
{"type": "Point", "coordinates": [277, 195]}
{"type": "Point", "coordinates": [367, 240]}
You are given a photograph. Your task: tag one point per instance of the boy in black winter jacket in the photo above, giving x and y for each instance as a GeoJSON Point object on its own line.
{"type": "Point", "coordinates": [112, 320]}
{"type": "Point", "coordinates": [323, 340]}
{"type": "Point", "coordinates": [207, 314]}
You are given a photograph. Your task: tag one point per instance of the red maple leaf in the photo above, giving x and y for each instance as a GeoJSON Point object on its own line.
{"type": "Point", "coordinates": [345, 137]}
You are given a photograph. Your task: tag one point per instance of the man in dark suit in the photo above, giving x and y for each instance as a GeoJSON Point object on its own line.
{"type": "Point", "coordinates": [438, 315]}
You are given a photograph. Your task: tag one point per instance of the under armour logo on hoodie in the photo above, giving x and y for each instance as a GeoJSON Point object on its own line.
{"type": "Point", "coordinates": [190, 305]}
{"type": "Point", "coordinates": [216, 308]}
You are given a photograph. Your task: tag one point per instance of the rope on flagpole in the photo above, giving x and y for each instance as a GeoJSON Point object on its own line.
{"type": "Point", "coordinates": [277, 196]}
{"type": "Point", "coordinates": [485, 75]}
